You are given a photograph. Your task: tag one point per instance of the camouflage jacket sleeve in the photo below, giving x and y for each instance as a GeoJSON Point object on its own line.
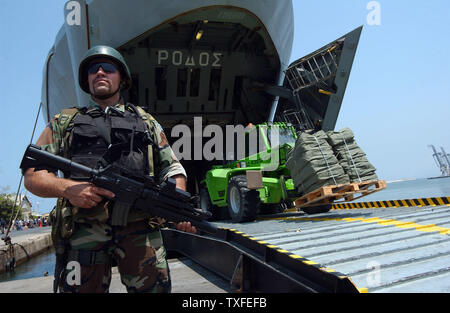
{"type": "Point", "coordinates": [60, 126]}
{"type": "Point", "coordinates": [165, 161]}
{"type": "Point", "coordinates": [55, 146]}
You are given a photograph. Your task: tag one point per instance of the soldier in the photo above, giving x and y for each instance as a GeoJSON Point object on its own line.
{"type": "Point", "coordinates": [106, 131]}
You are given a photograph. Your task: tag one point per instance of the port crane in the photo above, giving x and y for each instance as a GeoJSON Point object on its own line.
{"type": "Point", "coordinates": [442, 160]}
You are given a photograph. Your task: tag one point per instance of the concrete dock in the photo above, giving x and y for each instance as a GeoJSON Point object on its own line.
{"type": "Point", "coordinates": [25, 245]}
{"type": "Point", "coordinates": [187, 276]}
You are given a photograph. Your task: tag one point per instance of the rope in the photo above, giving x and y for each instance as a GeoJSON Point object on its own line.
{"type": "Point", "coordinates": [24, 250]}
{"type": "Point", "coordinates": [35, 123]}
{"type": "Point", "coordinates": [328, 166]}
{"type": "Point", "coordinates": [12, 219]}
{"type": "Point", "coordinates": [348, 150]}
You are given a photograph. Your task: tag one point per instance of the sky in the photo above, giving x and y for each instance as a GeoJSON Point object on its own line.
{"type": "Point", "coordinates": [397, 100]}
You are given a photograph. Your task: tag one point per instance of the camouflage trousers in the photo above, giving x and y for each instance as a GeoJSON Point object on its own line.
{"type": "Point", "coordinates": [136, 249]}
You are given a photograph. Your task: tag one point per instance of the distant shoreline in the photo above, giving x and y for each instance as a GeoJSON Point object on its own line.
{"type": "Point", "coordinates": [438, 177]}
{"type": "Point", "coordinates": [400, 180]}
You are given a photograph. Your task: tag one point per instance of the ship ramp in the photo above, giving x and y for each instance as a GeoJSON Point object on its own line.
{"type": "Point", "coordinates": [377, 247]}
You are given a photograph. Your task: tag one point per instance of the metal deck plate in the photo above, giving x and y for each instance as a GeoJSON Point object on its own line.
{"type": "Point", "coordinates": [380, 249]}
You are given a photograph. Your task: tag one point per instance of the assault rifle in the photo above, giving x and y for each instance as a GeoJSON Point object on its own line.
{"type": "Point", "coordinates": [139, 192]}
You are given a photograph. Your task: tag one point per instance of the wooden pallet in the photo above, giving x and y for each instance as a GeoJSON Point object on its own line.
{"type": "Point", "coordinates": [344, 192]}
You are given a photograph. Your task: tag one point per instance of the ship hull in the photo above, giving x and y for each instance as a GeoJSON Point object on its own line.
{"type": "Point", "coordinates": [122, 24]}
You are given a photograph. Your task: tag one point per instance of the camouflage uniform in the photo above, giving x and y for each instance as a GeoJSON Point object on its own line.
{"type": "Point", "coordinates": [137, 248]}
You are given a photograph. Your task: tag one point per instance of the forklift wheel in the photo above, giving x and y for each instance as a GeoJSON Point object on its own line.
{"type": "Point", "coordinates": [243, 203]}
{"type": "Point", "coordinates": [207, 206]}
{"type": "Point", "coordinates": [317, 209]}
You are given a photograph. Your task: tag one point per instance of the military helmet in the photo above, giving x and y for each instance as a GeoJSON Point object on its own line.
{"type": "Point", "coordinates": [103, 52]}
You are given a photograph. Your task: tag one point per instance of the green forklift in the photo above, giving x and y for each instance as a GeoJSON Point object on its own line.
{"type": "Point", "coordinates": [257, 184]}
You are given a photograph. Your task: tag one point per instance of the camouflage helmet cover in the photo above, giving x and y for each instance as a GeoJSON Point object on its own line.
{"type": "Point", "coordinates": [103, 52]}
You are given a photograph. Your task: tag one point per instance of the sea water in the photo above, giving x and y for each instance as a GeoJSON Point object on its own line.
{"type": "Point", "coordinates": [411, 189]}
{"type": "Point", "coordinates": [398, 190]}
{"type": "Point", "coordinates": [38, 266]}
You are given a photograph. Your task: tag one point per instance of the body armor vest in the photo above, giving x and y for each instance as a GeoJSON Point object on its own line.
{"type": "Point", "coordinates": [111, 137]}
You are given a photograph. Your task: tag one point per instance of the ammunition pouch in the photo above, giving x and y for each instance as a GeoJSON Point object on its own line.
{"type": "Point", "coordinates": [61, 218]}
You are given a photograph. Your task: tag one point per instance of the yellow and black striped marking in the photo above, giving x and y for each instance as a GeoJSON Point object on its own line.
{"type": "Point", "coordinates": [384, 222]}
{"type": "Point", "coordinates": [439, 201]}
{"type": "Point", "coordinates": [299, 258]}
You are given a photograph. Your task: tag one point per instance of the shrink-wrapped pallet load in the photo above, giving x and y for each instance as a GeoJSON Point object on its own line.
{"type": "Point", "coordinates": [350, 156]}
{"type": "Point", "coordinates": [312, 163]}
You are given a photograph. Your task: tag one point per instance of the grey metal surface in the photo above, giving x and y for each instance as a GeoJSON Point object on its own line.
{"type": "Point", "coordinates": [98, 25]}
{"type": "Point", "coordinates": [380, 249]}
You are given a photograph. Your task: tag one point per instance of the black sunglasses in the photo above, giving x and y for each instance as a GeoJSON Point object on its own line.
{"type": "Point", "coordinates": [107, 67]}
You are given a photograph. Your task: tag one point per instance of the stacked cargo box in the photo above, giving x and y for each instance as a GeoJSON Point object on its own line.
{"type": "Point", "coordinates": [328, 158]}
{"type": "Point", "coordinates": [351, 157]}
{"type": "Point", "coordinates": [312, 163]}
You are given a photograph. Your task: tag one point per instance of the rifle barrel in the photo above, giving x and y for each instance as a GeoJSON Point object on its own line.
{"type": "Point", "coordinates": [159, 201]}
{"type": "Point", "coordinates": [56, 161]}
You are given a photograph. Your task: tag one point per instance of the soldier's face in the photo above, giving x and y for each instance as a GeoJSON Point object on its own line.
{"type": "Point", "coordinates": [103, 81]}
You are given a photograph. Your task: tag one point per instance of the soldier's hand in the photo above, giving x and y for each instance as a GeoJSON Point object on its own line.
{"type": "Point", "coordinates": [186, 227]}
{"type": "Point", "coordinates": [86, 195]}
